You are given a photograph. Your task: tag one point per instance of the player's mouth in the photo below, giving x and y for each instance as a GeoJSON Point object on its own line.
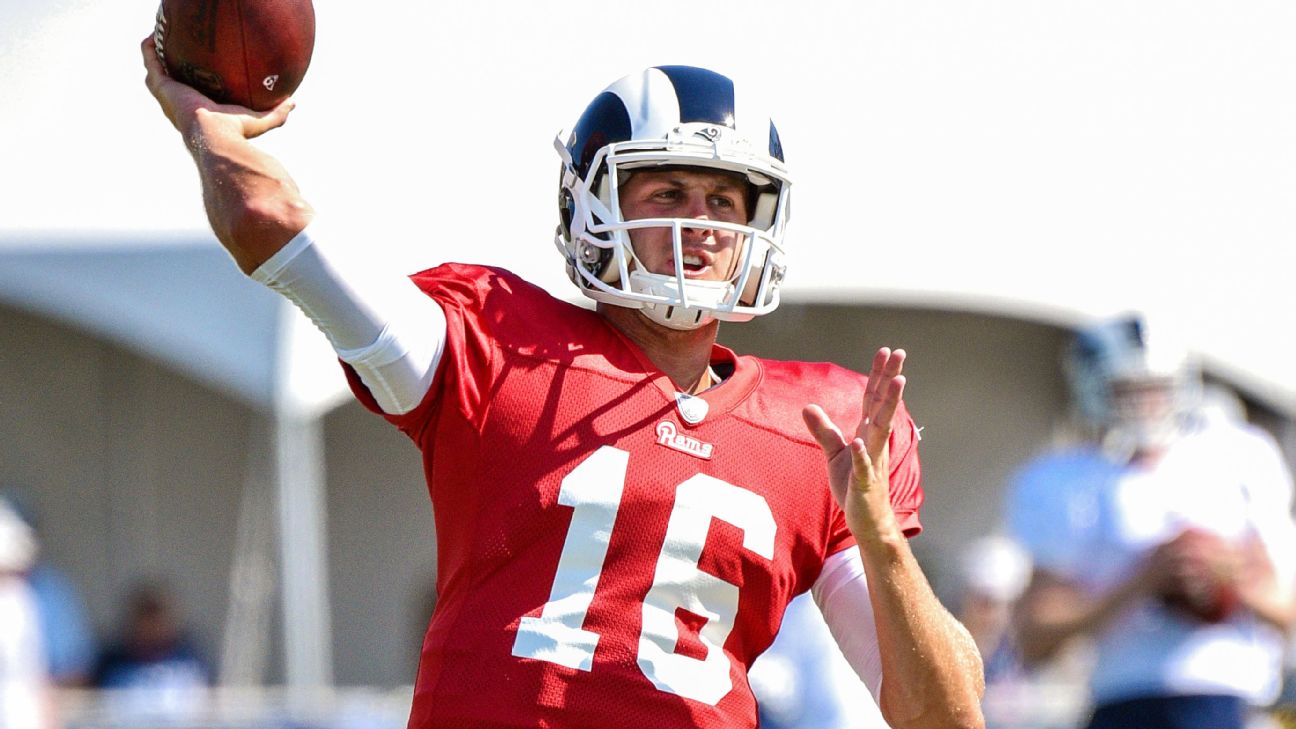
{"type": "Point", "coordinates": [696, 265]}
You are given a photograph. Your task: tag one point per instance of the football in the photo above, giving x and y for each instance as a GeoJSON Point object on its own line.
{"type": "Point", "coordinates": [253, 53]}
{"type": "Point", "coordinates": [1211, 598]}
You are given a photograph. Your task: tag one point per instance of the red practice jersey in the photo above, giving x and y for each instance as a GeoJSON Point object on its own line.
{"type": "Point", "coordinates": [601, 560]}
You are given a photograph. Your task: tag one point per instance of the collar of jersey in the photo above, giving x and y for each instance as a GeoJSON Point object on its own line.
{"type": "Point", "coordinates": [720, 399]}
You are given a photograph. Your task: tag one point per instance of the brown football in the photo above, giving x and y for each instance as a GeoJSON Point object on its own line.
{"type": "Point", "coordinates": [248, 52]}
{"type": "Point", "coordinates": [1213, 604]}
{"type": "Point", "coordinates": [1213, 598]}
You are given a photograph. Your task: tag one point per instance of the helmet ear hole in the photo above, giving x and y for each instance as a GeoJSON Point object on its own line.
{"type": "Point", "coordinates": [766, 204]}
{"type": "Point", "coordinates": [766, 266]}
{"type": "Point", "coordinates": [603, 187]}
{"type": "Point", "coordinates": [566, 210]}
{"type": "Point", "coordinates": [599, 262]}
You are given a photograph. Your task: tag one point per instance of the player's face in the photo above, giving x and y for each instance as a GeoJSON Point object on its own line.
{"type": "Point", "coordinates": [1145, 410]}
{"type": "Point", "coordinates": [709, 254]}
{"type": "Point", "coordinates": [1145, 402]}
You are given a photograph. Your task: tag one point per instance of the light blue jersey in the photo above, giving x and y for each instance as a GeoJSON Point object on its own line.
{"type": "Point", "coordinates": [1091, 521]}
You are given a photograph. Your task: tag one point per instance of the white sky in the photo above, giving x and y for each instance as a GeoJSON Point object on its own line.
{"type": "Point", "coordinates": [1078, 157]}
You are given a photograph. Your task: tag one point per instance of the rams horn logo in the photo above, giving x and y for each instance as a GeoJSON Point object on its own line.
{"type": "Point", "coordinates": [710, 134]}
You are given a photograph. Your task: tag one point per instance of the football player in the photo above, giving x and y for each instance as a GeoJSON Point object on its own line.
{"type": "Point", "coordinates": [1168, 541]}
{"type": "Point", "coordinates": [623, 508]}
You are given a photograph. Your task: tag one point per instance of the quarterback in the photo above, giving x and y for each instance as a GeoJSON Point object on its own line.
{"type": "Point", "coordinates": [623, 507]}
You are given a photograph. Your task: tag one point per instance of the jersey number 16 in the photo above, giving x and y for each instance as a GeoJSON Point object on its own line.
{"type": "Point", "coordinates": [593, 489]}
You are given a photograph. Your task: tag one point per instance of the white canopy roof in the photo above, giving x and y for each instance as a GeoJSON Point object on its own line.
{"type": "Point", "coordinates": [1057, 160]}
{"type": "Point", "coordinates": [181, 302]}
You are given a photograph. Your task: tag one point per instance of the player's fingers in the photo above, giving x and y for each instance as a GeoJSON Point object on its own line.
{"type": "Point", "coordinates": [887, 365]}
{"type": "Point", "coordinates": [895, 363]}
{"type": "Point", "coordinates": [152, 66]}
{"type": "Point", "coordinates": [259, 123]}
{"type": "Point", "coordinates": [166, 91]}
{"type": "Point", "coordinates": [875, 374]}
{"type": "Point", "coordinates": [824, 431]}
{"type": "Point", "coordinates": [879, 430]}
{"type": "Point", "coordinates": [861, 463]}
{"type": "Point", "coordinates": [876, 384]}
{"type": "Point", "coordinates": [890, 401]}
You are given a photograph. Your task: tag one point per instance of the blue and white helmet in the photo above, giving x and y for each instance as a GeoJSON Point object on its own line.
{"type": "Point", "coordinates": [1127, 350]}
{"type": "Point", "coordinates": [671, 116]}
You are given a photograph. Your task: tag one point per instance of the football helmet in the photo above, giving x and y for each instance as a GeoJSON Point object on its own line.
{"type": "Point", "coordinates": [671, 116]}
{"type": "Point", "coordinates": [1139, 385]}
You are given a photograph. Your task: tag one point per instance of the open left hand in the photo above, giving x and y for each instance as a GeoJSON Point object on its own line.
{"type": "Point", "coordinates": [858, 469]}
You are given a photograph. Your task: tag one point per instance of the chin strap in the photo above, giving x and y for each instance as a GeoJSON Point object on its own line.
{"type": "Point", "coordinates": [677, 317]}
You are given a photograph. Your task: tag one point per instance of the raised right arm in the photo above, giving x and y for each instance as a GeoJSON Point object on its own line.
{"type": "Point", "coordinates": [377, 320]}
{"type": "Point", "coordinates": [253, 205]}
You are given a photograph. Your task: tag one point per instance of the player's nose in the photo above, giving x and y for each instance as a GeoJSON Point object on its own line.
{"type": "Point", "coordinates": [696, 207]}
{"type": "Point", "coordinates": [693, 235]}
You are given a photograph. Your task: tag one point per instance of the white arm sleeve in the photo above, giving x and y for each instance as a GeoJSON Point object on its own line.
{"type": "Point", "coordinates": [841, 592]}
{"type": "Point", "coordinates": [378, 321]}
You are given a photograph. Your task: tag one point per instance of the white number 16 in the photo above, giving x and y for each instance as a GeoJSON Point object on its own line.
{"type": "Point", "coordinates": [594, 491]}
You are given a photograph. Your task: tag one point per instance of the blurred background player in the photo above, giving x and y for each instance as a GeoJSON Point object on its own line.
{"type": "Point", "coordinates": [25, 698]}
{"type": "Point", "coordinates": [152, 667]}
{"type": "Point", "coordinates": [993, 573]}
{"type": "Point", "coordinates": [1167, 540]}
{"type": "Point", "coordinates": [65, 629]}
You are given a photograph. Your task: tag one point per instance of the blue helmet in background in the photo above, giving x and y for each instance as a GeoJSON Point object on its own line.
{"type": "Point", "coordinates": [1138, 383]}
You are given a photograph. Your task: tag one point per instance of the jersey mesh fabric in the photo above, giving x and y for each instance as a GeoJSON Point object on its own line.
{"type": "Point", "coordinates": [530, 390]}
